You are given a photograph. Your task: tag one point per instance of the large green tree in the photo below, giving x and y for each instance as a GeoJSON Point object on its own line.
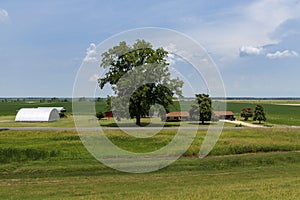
{"type": "Point", "coordinates": [259, 113]}
{"type": "Point", "coordinates": [140, 78]}
{"type": "Point", "coordinates": [202, 108]}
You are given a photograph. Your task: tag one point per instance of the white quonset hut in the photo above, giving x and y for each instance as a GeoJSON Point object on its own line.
{"type": "Point", "coordinates": [37, 115]}
{"type": "Point", "coordinates": [59, 109]}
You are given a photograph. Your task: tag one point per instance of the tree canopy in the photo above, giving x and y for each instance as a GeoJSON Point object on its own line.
{"type": "Point", "coordinates": [140, 78]}
{"type": "Point", "coordinates": [259, 113]}
{"type": "Point", "coordinates": [246, 113]}
{"type": "Point", "coordinates": [201, 109]}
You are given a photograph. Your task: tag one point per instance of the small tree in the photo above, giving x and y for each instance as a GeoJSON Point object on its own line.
{"type": "Point", "coordinates": [201, 109]}
{"type": "Point", "coordinates": [194, 112]}
{"type": "Point", "coordinates": [108, 103]}
{"type": "Point", "coordinates": [259, 113]}
{"type": "Point", "coordinates": [100, 115]}
{"type": "Point", "coordinates": [246, 113]}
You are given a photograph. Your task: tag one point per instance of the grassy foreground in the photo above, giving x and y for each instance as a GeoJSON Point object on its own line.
{"type": "Point", "coordinates": [55, 165]}
{"type": "Point", "coordinates": [274, 176]}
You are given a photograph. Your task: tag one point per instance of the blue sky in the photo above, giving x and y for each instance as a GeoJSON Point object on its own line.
{"type": "Point", "coordinates": [255, 44]}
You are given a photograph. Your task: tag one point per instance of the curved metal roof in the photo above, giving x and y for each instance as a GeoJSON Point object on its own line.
{"type": "Point", "coordinates": [37, 115]}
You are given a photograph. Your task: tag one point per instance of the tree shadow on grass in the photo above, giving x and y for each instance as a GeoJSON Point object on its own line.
{"type": "Point", "coordinates": [257, 123]}
{"type": "Point", "coordinates": [200, 123]}
{"type": "Point", "coordinates": [142, 125]}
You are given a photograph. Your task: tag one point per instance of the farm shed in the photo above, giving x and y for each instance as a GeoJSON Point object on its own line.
{"type": "Point", "coordinates": [59, 109]}
{"type": "Point", "coordinates": [37, 115]}
{"type": "Point", "coordinates": [224, 115]}
{"type": "Point", "coordinates": [109, 114]}
{"type": "Point", "coordinates": [177, 116]}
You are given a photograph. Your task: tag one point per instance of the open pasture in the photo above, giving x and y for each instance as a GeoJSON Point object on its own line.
{"type": "Point", "coordinates": [251, 164]}
{"type": "Point", "coordinates": [278, 112]}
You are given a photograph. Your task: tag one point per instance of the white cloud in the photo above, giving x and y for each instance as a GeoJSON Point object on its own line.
{"type": "Point", "coordinates": [251, 51]}
{"type": "Point", "coordinates": [3, 15]}
{"type": "Point", "coordinates": [91, 54]}
{"type": "Point", "coordinates": [282, 54]}
{"type": "Point", "coordinates": [173, 56]}
{"type": "Point", "coordinates": [94, 78]}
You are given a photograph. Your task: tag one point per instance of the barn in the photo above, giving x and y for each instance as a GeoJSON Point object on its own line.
{"type": "Point", "coordinates": [229, 115]}
{"type": "Point", "coordinates": [61, 110]}
{"type": "Point", "coordinates": [177, 116]}
{"type": "Point", "coordinates": [37, 115]}
{"type": "Point", "coordinates": [109, 114]}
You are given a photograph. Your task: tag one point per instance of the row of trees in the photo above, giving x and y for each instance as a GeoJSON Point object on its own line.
{"type": "Point", "coordinates": [258, 114]}
{"type": "Point", "coordinates": [148, 83]}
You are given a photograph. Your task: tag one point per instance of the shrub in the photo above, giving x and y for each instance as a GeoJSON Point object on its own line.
{"type": "Point", "coordinates": [100, 115]}
{"type": "Point", "coordinates": [246, 113]}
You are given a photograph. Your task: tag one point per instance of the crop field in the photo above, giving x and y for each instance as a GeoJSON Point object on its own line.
{"type": "Point", "coordinates": [277, 112]}
{"type": "Point", "coordinates": [10, 108]}
{"type": "Point", "coordinates": [245, 164]}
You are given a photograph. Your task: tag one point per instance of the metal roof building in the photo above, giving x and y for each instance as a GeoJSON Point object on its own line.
{"type": "Point", "coordinates": [59, 109]}
{"type": "Point", "coordinates": [37, 115]}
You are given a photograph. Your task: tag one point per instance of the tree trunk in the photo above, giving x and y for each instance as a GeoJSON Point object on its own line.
{"type": "Point", "coordinates": [138, 120]}
{"type": "Point", "coordinates": [202, 121]}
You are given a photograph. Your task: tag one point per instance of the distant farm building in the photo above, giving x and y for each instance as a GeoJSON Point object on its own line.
{"type": "Point", "coordinates": [109, 114]}
{"type": "Point", "coordinates": [229, 115]}
{"type": "Point", "coordinates": [59, 109]}
{"type": "Point", "coordinates": [37, 115]}
{"type": "Point", "coordinates": [177, 116]}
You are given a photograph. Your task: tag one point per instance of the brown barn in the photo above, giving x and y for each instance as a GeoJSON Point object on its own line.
{"type": "Point", "coordinates": [177, 116]}
{"type": "Point", "coordinates": [224, 115]}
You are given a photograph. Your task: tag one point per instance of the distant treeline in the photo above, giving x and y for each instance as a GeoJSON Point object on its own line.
{"type": "Point", "coordinates": [49, 99]}
{"type": "Point", "coordinates": [256, 98]}
{"type": "Point", "coordinates": [65, 99]}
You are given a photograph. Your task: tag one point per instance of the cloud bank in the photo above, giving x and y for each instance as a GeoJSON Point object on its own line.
{"type": "Point", "coordinates": [255, 51]}
{"type": "Point", "coordinates": [243, 30]}
{"type": "Point", "coordinates": [251, 51]}
{"type": "Point", "coordinates": [282, 54]}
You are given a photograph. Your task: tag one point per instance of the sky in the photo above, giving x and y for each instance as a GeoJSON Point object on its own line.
{"type": "Point", "coordinates": [255, 44]}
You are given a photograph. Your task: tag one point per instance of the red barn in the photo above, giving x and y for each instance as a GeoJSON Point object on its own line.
{"type": "Point", "coordinates": [109, 114]}
{"type": "Point", "coordinates": [177, 116]}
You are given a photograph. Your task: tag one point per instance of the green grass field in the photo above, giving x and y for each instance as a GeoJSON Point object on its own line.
{"type": "Point", "coordinates": [277, 113]}
{"type": "Point", "coordinates": [10, 108]}
{"type": "Point", "coordinates": [245, 164]}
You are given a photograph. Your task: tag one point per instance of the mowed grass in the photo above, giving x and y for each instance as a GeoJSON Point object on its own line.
{"type": "Point", "coordinates": [262, 177]}
{"type": "Point", "coordinates": [9, 121]}
{"type": "Point", "coordinates": [55, 165]}
{"type": "Point", "coordinates": [67, 144]}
